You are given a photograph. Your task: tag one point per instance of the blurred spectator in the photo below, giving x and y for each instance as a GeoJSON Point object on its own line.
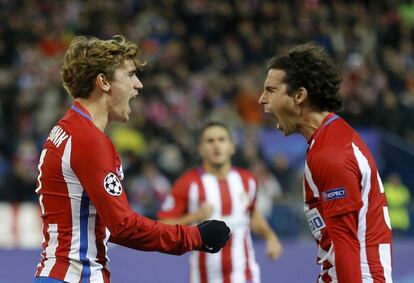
{"type": "Point", "coordinates": [19, 185]}
{"type": "Point", "coordinates": [269, 190]}
{"type": "Point", "coordinates": [399, 199]}
{"type": "Point", "coordinates": [147, 191]}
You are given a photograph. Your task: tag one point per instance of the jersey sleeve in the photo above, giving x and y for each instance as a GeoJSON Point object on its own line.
{"type": "Point", "coordinates": [342, 230]}
{"type": "Point", "coordinates": [175, 204]}
{"type": "Point", "coordinates": [339, 183]}
{"type": "Point", "coordinates": [93, 162]}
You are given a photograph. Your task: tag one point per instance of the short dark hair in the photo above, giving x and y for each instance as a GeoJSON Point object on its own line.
{"type": "Point", "coordinates": [210, 124]}
{"type": "Point", "coordinates": [309, 66]}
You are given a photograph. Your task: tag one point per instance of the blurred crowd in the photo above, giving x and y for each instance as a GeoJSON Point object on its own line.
{"type": "Point", "coordinates": [206, 60]}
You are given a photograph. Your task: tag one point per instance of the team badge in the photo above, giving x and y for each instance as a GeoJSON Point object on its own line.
{"type": "Point", "coordinates": [112, 185]}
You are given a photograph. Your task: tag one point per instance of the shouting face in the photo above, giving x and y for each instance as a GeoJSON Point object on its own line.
{"type": "Point", "coordinates": [123, 88]}
{"type": "Point", "coordinates": [276, 100]}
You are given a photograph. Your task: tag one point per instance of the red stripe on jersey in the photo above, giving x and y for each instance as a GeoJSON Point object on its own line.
{"type": "Point", "coordinates": [225, 197]}
{"type": "Point", "coordinates": [226, 261]}
{"type": "Point", "coordinates": [45, 244]}
{"type": "Point", "coordinates": [201, 192]}
{"type": "Point", "coordinates": [202, 256]}
{"type": "Point", "coordinates": [105, 274]}
{"type": "Point", "coordinates": [248, 272]}
{"type": "Point", "coordinates": [374, 261]}
{"type": "Point", "coordinates": [100, 232]}
{"type": "Point", "coordinates": [202, 267]}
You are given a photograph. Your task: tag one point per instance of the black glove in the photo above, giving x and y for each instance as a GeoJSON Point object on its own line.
{"type": "Point", "coordinates": [214, 234]}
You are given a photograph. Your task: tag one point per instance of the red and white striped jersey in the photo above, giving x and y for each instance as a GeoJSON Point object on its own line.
{"type": "Point", "coordinates": [233, 200]}
{"type": "Point", "coordinates": [83, 205]}
{"type": "Point", "coordinates": [346, 206]}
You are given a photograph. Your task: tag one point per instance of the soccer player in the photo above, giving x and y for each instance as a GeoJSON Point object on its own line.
{"type": "Point", "coordinates": [218, 190]}
{"type": "Point", "coordinates": [345, 203]}
{"type": "Point", "coordinates": [82, 199]}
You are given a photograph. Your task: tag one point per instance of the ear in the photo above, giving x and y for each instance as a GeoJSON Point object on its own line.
{"type": "Point", "coordinates": [102, 82]}
{"type": "Point", "coordinates": [300, 96]}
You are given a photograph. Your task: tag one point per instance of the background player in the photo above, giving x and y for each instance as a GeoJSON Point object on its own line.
{"type": "Point", "coordinates": [345, 203]}
{"type": "Point", "coordinates": [218, 190]}
{"type": "Point", "coordinates": [81, 196]}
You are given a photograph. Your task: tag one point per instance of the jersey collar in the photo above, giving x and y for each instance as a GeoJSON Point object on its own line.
{"type": "Point", "coordinates": [77, 107]}
{"type": "Point", "coordinates": [328, 119]}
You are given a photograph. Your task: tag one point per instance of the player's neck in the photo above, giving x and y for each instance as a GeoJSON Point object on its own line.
{"type": "Point", "coordinates": [95, 108]}
{"type": "Point", "coordinates": [310, 121]}
{"type": "Point", "coordinates": [220, 172]}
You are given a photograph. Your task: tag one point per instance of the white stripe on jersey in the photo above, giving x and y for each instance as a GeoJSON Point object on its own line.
{"type": "Point", "coordinates": [239, 203]}
{"type": "Point", "coordinates": [387, 217]}
{"type": "Point", "coordinates": [193, 198]}
{"type": "Point", "coordinates": [380, 183]}
{"type": "Point", "coordinates": [385, 258]}
{"type": "Point", "coordinates": [252, 189]}
{"type": "Point", "coordinates": [362, 226]}
{"type": "Point", "coordinates": [214, 267]}
{"type": "Point", "coordinates": [75, 195]}
{"type": "Point", "coordinates": [213, 197]}
{"type": "Point", "coordinates": [194, 267]}
{"type": "Point", "coordinates": [212, 193]}
{"type": "Point", "coordinates": [253, 265]}
{"type": "Point", "coordinates": [52, 244]}
{"type": "Point", "coordinates": [238, 220]}
{"type": "Point", "coordinates": [39, 180]}
{"type": "Point", "coordinates": [310, 181]}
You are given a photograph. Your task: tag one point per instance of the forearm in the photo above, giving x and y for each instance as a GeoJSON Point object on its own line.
{"type": "Point", "coordinates": [260, 227]}
{"type": "Point", "coordinates": [141, 233]}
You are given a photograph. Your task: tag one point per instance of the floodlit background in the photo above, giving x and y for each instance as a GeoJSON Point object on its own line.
{"type": "Point", "coordinates": [206, 60]}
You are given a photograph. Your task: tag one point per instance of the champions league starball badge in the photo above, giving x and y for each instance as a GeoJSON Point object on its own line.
{"type": "Point", "coordinates": [112, 185]}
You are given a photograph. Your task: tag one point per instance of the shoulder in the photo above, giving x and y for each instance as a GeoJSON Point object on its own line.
{"type": "Point", "coordinates": [188, 177]}
{"type": "Point", "coordinates": [87, 141]}
{"type": "Point", "coordinates": [245, 174]}
{"type": "Point", "coordinates": [334, 143]}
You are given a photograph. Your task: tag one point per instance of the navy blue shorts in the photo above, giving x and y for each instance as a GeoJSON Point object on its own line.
{"type": "Point", "coordinates": [46, 280]}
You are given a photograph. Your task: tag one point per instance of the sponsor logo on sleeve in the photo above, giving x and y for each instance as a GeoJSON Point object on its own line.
{"type": "Point", "coordinates": [333, 194]}
{"type": "Point", "coordinates": [112, 185]}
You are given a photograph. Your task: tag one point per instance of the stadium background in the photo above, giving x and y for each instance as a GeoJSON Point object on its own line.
{"type": "Point", "coordinates": [206, 60]}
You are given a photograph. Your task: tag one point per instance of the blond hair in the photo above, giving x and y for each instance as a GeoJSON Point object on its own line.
{"type": "Point", "coordinates": [87, 57]}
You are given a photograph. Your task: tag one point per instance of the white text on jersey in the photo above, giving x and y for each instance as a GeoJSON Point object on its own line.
{"type": "Point", "coordinates": [57, 136]}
